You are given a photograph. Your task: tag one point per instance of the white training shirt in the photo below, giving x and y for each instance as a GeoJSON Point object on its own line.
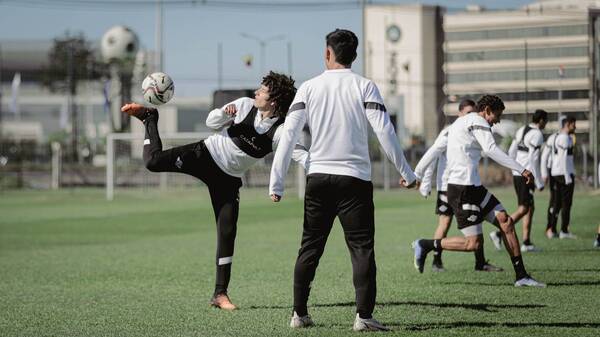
{"type": "Point", "coordinates": [338, 105]}
{"type": "Point", "coordinates": [562, 162]}
{"type": "Point", "coordinates": [547, 154]}
{"type": "Point", "coordinates": [425, 167]}
{"type": "Point", "coordinates": [223, 150]}
{"type": "Point", "coordinates": [534, 139]}
{"type": "Point", "coordinates": [468, 137]}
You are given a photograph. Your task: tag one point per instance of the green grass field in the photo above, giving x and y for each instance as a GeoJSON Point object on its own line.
{"type": "Point", "coordinates": [73, 264]}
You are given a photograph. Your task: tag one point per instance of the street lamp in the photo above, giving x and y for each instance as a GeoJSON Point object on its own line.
{"type": "Point", "coordinates": [263, 44]}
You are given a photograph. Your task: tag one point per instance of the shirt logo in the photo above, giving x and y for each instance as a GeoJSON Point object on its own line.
{"type": "Point", "coordinates": [250, 141]}
{"type": "Point", "coordinates": [179, 163]}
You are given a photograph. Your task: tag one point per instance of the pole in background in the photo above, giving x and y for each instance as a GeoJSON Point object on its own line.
{"type": "Point", "coordinates": [561, 75]}
{"type": "Point", "coordinates": [263, 45]}
{"type": "Point", "coordinates": [220, 66]}
{"type": "Point", "coordinates": [526, 83]}
{"type": "Point", "coordinates": [158, 35]}
{"type": "Point", "coordinates": [289, 58]}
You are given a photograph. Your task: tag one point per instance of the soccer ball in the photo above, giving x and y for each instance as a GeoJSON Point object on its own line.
{"type": "Point", "coordinates": [119, 44]}
{"type": "Point", "coordinates": [158, 88]}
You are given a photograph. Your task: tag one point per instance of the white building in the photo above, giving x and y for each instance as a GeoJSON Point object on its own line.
{"type": "Point", "coordinates": [403, 55]}
{"type": "Point", "coordinates": [537, 57]}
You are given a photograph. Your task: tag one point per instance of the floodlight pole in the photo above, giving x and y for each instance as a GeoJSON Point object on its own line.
{"type": "Point", "coordinates": [263, 45]}
{"type": "Point", "coordinates": [158, 34]}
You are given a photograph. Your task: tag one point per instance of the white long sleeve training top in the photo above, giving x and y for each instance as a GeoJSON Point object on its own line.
{"type": "Point", "coordinates": [468, 137]}
{"type": "Point", "coordinates": [338, 106]}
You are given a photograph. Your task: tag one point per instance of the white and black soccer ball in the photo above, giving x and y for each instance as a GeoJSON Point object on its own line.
{"type": "Point", "coordinates": [119, 44]}
{"type": "Point", "coordinates": [158, 88]}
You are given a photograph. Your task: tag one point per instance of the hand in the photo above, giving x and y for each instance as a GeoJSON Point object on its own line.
{"type": "Point", "coordinates": [132, 108]}
{"type": "Point", "coordinates": [416, 183]}
{"type": "Point", "coordinates": [275, 197]}
{"type": "Point", "coordinates": [230, 110]}
{"type": "Point", "coordinates": [528, 177]}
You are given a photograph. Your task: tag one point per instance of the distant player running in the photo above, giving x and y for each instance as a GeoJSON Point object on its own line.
{"type": "Point", "coordinates": [468, 137]}
{"type": "Point", "coordinates": [249, 129]}
{"type": "Point", "coordinates": [424, 172]}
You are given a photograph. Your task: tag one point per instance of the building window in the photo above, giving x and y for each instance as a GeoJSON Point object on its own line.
{"type": "Point", "coordinates": [535, 95]}
{"type": "Point", "coordinates": [517, 54]}
{"type": "Point", "coordinates": [516, 33]}
{"type": "Point", "coordinates": [516, 75]}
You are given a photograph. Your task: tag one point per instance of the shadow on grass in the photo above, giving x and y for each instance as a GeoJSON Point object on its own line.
{"type": "Point", "coordinates": [550, 284]}
{"type": "Point", "coordinates": [591, 270]}
{"type": "Point", "coordinates": [473, 306]}
{"type": "Point", "coordinates": [576, 283]}
{"type": "Point", "coordinates": [455, 325]}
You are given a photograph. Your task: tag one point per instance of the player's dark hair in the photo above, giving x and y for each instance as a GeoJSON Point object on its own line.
{"type": "Point", "coordinates": [492, 101]}
{"type": "Point", "coordinates": [539, 115]}
{"type": "Point", "coordinates": [281, 91]}
{"type": "Point", "coordinates": [465, 103]}
{"type": "Point", "coordinates": [568, 119]}
{"type": "Point", "coordinates": [344, 44]}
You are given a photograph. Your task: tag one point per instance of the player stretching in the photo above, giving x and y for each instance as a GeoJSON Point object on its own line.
{"type": "Point", "coordinates": [249, 129]}
{"type": "Point", "coordinates": [424, 171]}
{"type": "Point", "coordinates": [468, 137]}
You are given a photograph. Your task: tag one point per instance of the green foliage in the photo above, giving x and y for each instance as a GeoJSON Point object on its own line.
{"type": "Point", "coordinates": [73, 264]}
{"type": "Point", "coordinates": [70, 57]}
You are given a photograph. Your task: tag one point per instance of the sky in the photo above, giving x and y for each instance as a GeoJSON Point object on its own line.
{"type": "Point", "coordinates": [192, 33]}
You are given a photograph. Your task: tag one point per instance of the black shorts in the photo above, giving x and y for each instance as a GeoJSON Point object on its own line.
{"type": "Point", "coordinates": [471, 205]}
{"type": "Point", "coordinates": [442, 207]}
{"type": "Point", "coordinates": [524, 191]}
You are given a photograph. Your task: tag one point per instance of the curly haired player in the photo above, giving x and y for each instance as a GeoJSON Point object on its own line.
{"type": "Point", "coordinates": [248, 129]}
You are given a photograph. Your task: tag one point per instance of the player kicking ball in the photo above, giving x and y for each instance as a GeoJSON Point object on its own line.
{"type": "Point", "coordinates": [468, 137]}
{"type": "Point", "coordinates": [248, 129]}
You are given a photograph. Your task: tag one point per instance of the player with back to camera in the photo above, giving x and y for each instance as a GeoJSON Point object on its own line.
{"type": "Point", "coordinates": [338, 106]}
{"type": "Point", "coordinates": [246, 130]}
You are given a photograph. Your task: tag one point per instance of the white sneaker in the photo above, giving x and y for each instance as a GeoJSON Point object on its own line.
{"type": "Point", "coordinates": [301, 322]}
{"type": "Point", "coordinates": [529, 248]}
{"type": "Point", "coordinates": [496, 239]}
{"type": "Point", "coordinates": [528, 281]}
{"type": "Point", "coordinates": [597, 243]}
{"type": "Point", "coordinates": [567, 235]}
{"type": "Point", "coordinates": [370, 324]}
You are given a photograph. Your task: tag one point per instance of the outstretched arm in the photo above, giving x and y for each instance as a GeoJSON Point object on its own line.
{"type": "Point", "coordinates": [484, 137]}
{"type": "Point", "coordinates": [292, 129]}
{"type": "Point", "coordinates": [384, 130]}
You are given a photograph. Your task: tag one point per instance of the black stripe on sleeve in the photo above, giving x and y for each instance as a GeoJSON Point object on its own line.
{"type": "Point", "coordinates": [479, 127]}
{"type": "Point", "coordinates": [297, 106]}
{"type": "Point", "coordinates": [375, 106]}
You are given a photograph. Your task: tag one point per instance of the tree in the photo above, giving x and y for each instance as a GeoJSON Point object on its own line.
{"type": "Point", "coordinates": [71, 60]}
